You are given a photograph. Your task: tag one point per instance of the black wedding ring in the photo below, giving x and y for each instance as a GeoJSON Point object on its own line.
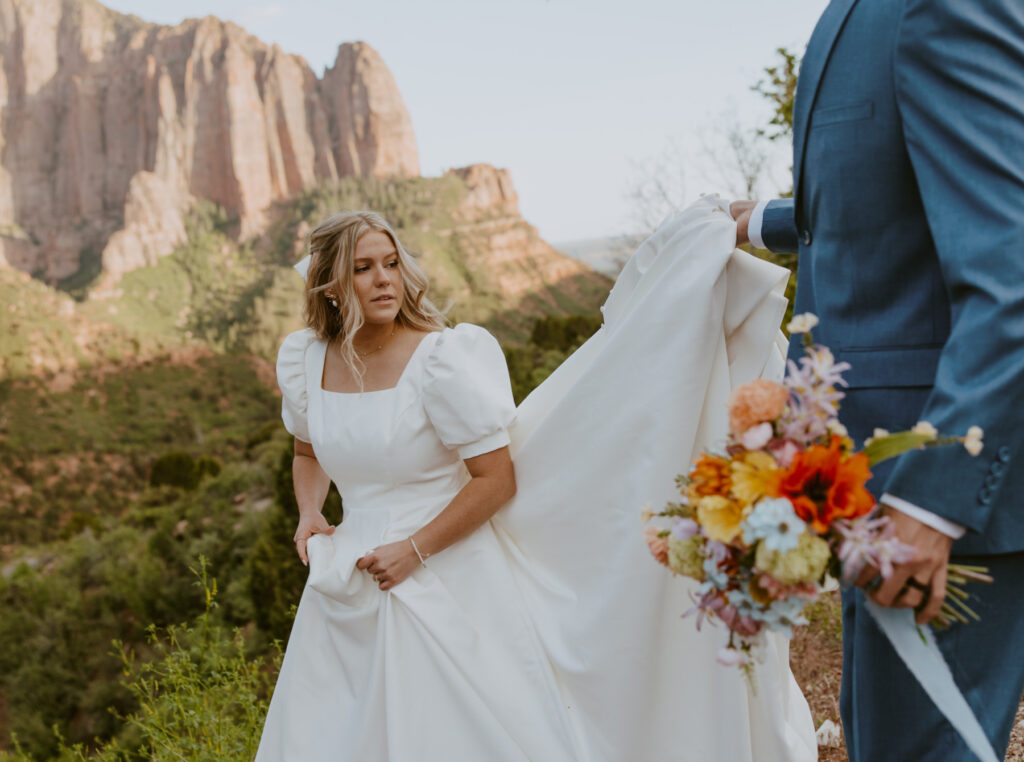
{"type": "Point", "coordinates": [925, 590]}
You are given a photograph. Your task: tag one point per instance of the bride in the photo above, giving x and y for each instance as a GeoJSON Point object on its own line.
{"type": "Point", "coordinates": [435, 626]}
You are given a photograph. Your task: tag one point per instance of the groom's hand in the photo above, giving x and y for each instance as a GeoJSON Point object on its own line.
{"type": "Point", "coordinates": [920, 583]}
{"type": "Point", "coordinates": [740, 211]}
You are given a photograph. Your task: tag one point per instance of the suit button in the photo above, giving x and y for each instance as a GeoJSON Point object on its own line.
{"type": "Point", "coordinates": [991, 480]}
{"type": "Point", "coordinates": [996, 469]}
{"type": "Point", "coordinates": [985, 496]}
{"type": "Point", "coordinates": [1004, 453]}
{"type": "Point", "coordinates": [805, 236]}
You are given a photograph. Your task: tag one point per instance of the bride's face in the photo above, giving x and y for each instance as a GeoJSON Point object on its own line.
{"type": "Point", "coordinates": [377, 278]}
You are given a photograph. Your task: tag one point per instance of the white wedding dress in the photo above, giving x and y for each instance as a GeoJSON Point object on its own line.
{"type": "Point", "coordinates": [549, 634]}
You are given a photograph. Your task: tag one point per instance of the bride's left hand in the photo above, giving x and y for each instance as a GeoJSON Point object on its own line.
{"type": "Point", "coordinates": [390, 564]}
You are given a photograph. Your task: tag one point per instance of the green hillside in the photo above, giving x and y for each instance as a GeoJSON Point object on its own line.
{"type": "Point", "coordinates": [141, 443]}
{"type": "Point", "coordinates": [217, 293]}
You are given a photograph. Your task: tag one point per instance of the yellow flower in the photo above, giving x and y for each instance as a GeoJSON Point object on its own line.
{"type": "Point", "coordinates": [804, 563]}
{"type": "Point", "coordinates": [720, 518]}
{"type": "Point", "coordinates": [684, 557]}
{"type": "Point", "coordinates": [754, 475]}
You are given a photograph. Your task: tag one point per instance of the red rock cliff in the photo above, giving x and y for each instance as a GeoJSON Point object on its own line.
{"type": "Point", "coordinates": [112, 126]}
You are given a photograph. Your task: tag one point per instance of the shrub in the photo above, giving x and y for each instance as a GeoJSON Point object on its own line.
{"type": "Point", "coordinates": [208, 466]}
{"type": "Point", "coordinates": [202, 697]}
{"type": "Point", "coordinates": [175, 469]}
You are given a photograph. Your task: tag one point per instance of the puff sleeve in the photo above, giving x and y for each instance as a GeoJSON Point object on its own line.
{"type": "Point", "coordinates": [466, 391]}
{"type": "Point", "coordinates": [291, 377]}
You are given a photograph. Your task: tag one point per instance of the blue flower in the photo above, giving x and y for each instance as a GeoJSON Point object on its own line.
{"type": "Point", "coordinates": [775, 523]}
{"type": "Point", "coordinates": [714, 575]}
{"type": "Point", "coordinates": [783, 614]}
{"type": "Point", "coordinates": [779, 616]}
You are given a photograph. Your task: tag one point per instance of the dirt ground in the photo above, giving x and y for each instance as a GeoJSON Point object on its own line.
{"type": "Point", "coordinates": [817, 659]}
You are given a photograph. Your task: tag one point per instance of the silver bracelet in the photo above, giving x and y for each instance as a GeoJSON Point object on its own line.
{"type": "Point", "coordinates": [420, 556]}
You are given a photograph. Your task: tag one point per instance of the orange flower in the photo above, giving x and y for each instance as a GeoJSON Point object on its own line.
{"type": "Point", "coordinates": [759, 401]}
{"type": "Point", "coordinates": [824, 486]}
{"type": "Point", "coordinates": [710, 476]}
{"type": "Point", "coordinates": [847, 497]}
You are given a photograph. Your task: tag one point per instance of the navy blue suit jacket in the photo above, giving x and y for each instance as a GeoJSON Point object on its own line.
{"type": "Point", "coordinates": [908, 215]}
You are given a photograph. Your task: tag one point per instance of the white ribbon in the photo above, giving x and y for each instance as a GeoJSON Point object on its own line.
{"type": "Point", "coordinates": [302, 267]}
{"type": "Point", "coordinates": [926, 663]}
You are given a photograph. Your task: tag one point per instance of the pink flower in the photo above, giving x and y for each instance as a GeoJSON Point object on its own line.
{"type": "Point", "coordinates": [684, 529]}
{"type": "Point", "coordinates": [757, 402]}
{"type": "Point", "coordinates": [870, 540]}
{"type": "Point", "coordinates": [814, 384]}
{"type": "Point", "coordinates": [757, 436]}
{"type": "Point", "coordinates": [657, 545]}
{"type": "Point", "coordinates": [783, 451]}
{"type": "Point", "coordinates": [739, 623]}
{"type": "Point", "coordinates": [777, 590]}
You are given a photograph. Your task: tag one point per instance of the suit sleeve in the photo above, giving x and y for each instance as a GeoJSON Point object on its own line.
{"type": "Point", "coordinates": [778, 227]}
{"type": "Point", "coordinates": [959, 74]}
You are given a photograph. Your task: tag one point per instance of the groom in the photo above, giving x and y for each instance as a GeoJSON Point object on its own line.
{"type": "Point", "coordinates": [908, 216]}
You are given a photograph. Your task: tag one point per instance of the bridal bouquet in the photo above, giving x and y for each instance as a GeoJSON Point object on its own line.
{"type": "Point", "coordinates": [765, 524]}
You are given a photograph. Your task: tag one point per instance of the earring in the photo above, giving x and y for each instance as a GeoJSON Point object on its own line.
{"type": "Point", "coordinates": [333, 300]}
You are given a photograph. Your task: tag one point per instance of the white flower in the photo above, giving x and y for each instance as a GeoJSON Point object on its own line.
{"type": "Point", "coordinates": [837, 428]}
{"type": "Point", "coordinates": [757, 437]}
{"type": "Point", "coordinates": [774, 522]}
{"type": "Point", "coordinates": [646, 514]}
{"type": "Point", "coordinates": [802, 323]}
{"type": "Point", "coordinates": [876, 434]}
{"type": "Point", "coordinates": [972, 442]}
{"type": "Point", "coordinates": [829, 735]}
{"type": "Point", "coordinates": [925, 429]}
{"type": "Point", "coordinates": [731, 657]}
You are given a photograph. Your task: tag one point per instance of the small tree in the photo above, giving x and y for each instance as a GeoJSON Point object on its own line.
{"type": "Point", "coordinates": [780, 90]}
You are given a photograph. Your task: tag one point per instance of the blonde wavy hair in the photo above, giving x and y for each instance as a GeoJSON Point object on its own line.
{"type": "Point", "coordinates": [332, 248]}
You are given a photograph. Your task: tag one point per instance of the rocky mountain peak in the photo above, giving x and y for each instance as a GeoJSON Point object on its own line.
{"type": "Point", "coordinates": [113, 127]}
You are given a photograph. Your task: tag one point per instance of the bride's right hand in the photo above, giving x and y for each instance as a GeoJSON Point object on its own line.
{"type": "Point", "coordinates": [309, 525]}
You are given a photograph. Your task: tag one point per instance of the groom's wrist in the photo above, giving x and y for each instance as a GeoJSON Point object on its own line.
{"type": "Point", "coordinates": [916, 512]}
{"type": "Point", "coordinates": [755, 224]}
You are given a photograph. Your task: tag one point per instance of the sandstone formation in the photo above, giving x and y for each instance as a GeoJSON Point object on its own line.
{"type": "Point", "coordinates": [508, 251]}
{"type": "Point", "coordinates": [112, 127]}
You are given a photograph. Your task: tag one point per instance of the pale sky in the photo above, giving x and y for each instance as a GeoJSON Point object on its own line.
{"type": "Point", "coordinates": [572, 96]}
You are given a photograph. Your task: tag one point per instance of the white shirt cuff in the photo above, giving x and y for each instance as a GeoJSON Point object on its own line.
{"type": "Point", "coordinates": [755, 225]}
{"type": "Point", "coordinates": [945, 526]}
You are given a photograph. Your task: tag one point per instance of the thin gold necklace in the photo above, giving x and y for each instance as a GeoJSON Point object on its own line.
{"type": "Point", "coordinates": [379, 346]}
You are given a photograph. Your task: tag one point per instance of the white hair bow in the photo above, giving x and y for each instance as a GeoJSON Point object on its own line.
{"type": "Point", "coordinates": [302, 267]}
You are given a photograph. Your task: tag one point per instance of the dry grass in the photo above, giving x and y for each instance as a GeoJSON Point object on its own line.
{"type": "Point", "coordinates": [817, 658]}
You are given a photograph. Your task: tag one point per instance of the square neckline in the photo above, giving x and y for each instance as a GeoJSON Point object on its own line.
{"type": "Point", "coordinates": [401, 376]}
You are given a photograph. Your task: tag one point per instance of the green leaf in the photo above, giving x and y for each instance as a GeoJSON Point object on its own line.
{"type": "Point", "coordinates": [892, 445]}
